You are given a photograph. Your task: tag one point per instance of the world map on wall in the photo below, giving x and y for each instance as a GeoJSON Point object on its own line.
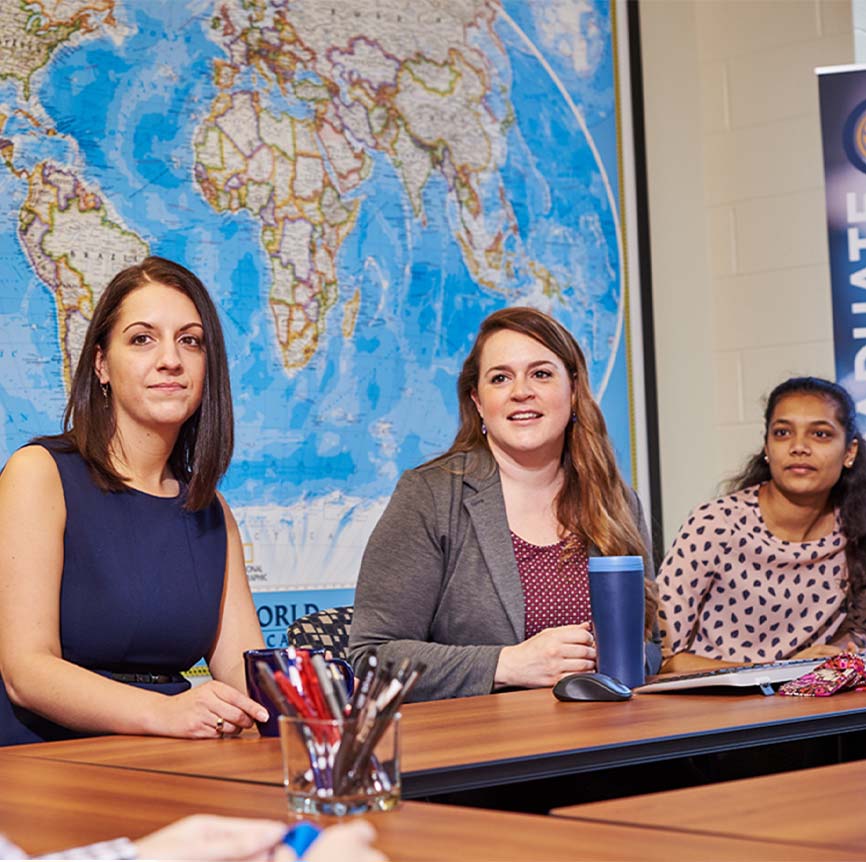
{"type": "Point", "coordinates": [358, 182]}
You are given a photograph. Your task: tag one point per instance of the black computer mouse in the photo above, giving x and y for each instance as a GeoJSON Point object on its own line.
{"type": "Point", "coordinates": [591, 686]}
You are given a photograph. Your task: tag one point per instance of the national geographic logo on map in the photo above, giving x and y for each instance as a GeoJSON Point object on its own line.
{"type": "Point", "coordinates": [854, 137]}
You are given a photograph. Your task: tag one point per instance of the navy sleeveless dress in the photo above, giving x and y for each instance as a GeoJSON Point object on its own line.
{"type": "Point", "coordinates": [141, 589]}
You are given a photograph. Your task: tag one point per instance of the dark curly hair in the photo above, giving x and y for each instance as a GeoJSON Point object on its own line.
{"type": "Point", "coordinates": [848, 495]}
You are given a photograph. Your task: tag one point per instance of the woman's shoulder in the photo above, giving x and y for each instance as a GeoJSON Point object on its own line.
{"type": "Point", "coordinates": [221, 511]}
{"type": "Point", "coordinates": [454, 468]}
{"type": "Point", "coordinates": [449, 463]}
{"type": "Point", "coordinates": [439, 482]}
{"type": "Point", "coordinates": [35, 459]}
{"type": "Point", "coordinates": [32, 472]}
{"type": "Point", "coordinates": [57, 449]}
{"type": "Point", "coordinates": [726, 510]}
{"type": "Point", "coordinates": [432, 477]}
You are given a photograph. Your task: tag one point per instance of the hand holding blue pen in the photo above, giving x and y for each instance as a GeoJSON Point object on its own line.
{"type": "Point", "coordinates": [346, 842]}
{"type": "Point", "coordinates": [301, 837]}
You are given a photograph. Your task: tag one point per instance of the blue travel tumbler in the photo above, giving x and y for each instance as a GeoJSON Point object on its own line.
{"type": "Point", "coordinates": [616, 592]}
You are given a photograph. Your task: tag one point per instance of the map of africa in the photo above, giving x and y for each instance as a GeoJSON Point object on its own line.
{"type": "Point", "coordinates": [358, 182]}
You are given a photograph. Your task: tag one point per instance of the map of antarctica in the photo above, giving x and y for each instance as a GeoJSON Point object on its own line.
{"type": "Point", "coordinates": [359, 183]}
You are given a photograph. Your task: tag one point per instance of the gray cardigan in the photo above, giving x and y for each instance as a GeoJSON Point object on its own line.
{"type": "Point", "coordinates": [439, 581]}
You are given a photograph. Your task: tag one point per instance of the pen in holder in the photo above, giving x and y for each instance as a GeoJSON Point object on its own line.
{"type": "Point", "coordinates": [340, 755]}
{"type": "Point", "coordinates": [278, 657]}
{"type": "Point", "coordinates": [335, 767]}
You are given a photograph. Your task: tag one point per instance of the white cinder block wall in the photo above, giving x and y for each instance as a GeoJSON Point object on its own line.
{"type": "Point", "coordinates": [738, 236]}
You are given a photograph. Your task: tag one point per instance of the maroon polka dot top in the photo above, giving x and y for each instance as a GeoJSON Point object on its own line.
{"type": "Point", "coordinates": [555, 589]}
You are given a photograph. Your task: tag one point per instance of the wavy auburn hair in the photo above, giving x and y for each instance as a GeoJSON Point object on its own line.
{"type": "Point", "coordinates": [594, 501]}
{"type": "Point", "coordinates": [203, 448]}
{"type": "Point", "coordinates": [848, 495]}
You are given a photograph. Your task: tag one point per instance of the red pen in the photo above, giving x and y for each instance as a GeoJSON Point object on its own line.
{"type": "Point", "coordinates": [300, 680]}
{"type": "Point", "coordinates": [302, 700]}
{"type": "Point", "coordinates": [312, 687]}
{"type": "Point", "coordinates": [299, 703]}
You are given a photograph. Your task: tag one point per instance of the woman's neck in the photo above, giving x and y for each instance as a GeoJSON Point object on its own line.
{"type": "Point", "coordinates": [794, 518]}
{"type": "Point", "coordinates": [530, 477]}
{"type": "Point", "coordinates": [143, 461]}
{"type": "Point", "coordinates": [529, 491]}
{"type": "Point", "coordinates": [532, 470]}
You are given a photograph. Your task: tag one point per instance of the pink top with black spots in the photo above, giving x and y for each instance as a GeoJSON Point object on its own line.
{"type": "Point", "coordinates": [555, 589]}
{"type": "Point", "coordinates": [729, 589]}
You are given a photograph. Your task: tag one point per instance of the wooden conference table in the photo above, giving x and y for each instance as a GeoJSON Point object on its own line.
{"type": "Point", "coordinates": [483, 741]}
{"type": "Point", "coordinates": [820, 807]}
{"type": "Point", "coordinates": [47, 805]}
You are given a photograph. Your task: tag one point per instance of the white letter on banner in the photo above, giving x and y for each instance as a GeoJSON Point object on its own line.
{"type": "Point", "coordinates": [858, 279]}
{"type": "Point", "coordinates": [851, 204]}
{"type": "Point", "coordinates": [858, 308]}
{"type": "Point", "coordinates": [860, 367]}
{"type": "Point", "coordinates": [856, 244]}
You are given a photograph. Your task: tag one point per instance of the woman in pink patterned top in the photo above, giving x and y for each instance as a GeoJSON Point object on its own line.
{"type": "Point", "coordinates": [776, 568]}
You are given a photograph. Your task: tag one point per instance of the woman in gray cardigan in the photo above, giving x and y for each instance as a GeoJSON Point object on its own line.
{"type": "Point", "coordinates": [478, 566]}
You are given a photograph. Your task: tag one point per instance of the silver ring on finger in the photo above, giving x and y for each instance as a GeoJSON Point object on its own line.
{"type": "Point", "coordinates": [220, 724]}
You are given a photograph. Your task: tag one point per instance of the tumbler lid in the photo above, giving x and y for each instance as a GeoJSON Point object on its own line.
{"type": "Point", "coordinates": [616, 564]}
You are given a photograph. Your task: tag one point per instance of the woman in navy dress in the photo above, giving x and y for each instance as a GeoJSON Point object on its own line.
{"type": "Point", "coordinates": [120, 564]}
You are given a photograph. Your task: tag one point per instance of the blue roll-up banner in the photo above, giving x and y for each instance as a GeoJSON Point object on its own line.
{"type": "Point", "coordinates": [842, 91]}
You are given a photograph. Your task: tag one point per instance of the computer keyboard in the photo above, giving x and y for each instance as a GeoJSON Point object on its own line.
{"type": "Point", "coordinates": [762, 676]}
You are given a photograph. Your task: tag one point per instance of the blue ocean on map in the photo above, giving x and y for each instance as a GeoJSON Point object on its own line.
{"type": "Point", "coordinates": [319, 448]}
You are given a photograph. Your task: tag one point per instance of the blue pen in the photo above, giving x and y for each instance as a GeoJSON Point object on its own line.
{"type": "Point", "coordinates": [301, 837]}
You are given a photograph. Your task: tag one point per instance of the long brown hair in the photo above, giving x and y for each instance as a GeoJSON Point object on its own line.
{"type": "Point", "coordinates": [203, 448]}
{"type": "Point", "coordinates": [593, 504]}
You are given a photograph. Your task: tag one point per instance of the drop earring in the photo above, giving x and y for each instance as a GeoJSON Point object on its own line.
{"type": "Point", "coordinates": [483, 428]}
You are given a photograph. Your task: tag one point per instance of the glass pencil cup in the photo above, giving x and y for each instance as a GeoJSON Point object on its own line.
{"type": "Point", "coordinates": [342, 766]}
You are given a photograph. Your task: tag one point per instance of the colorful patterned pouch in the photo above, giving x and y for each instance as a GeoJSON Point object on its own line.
{"type": "Point", "coordinates": [839, 673]}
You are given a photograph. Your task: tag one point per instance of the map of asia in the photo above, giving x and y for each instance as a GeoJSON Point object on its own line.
{"type": "Point", "coordinates": [358, 183]}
